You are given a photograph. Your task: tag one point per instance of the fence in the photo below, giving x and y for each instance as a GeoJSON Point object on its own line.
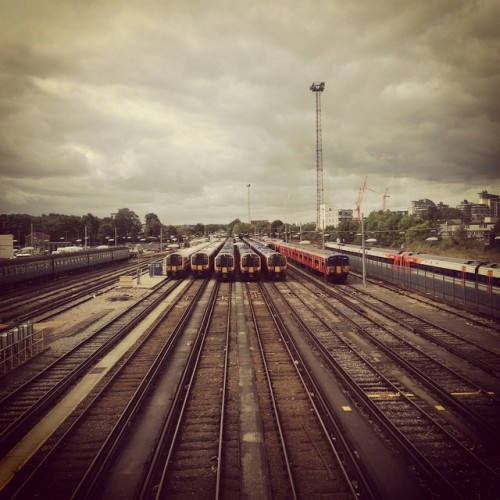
{"type": "Point", "coordinates": [18, 345]}
{"type": "Point", "coordinates": [481, 298]}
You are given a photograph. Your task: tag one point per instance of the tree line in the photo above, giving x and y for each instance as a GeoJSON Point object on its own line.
{"type": "Point", "coordinates": [389, 229]}
{"type": "Point", "coordinates": [125, 225]}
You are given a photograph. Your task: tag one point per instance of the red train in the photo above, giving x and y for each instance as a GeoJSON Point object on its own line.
{"type": "Point", "coordinates": [333, 266]}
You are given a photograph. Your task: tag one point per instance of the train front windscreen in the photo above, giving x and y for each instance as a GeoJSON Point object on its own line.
{"type": "Point", "coordinates": [225, 260]}
{"type": "Point", "coordinates": [250, 260]}
{"type": "Point", "coordinates": [199, 259]}
{"type": "Point", "coordinates": [174, 259]}
{"type": "Point", "coordinates": [338, 260]}
{"type": "Point", "coordinates": [277, 260]}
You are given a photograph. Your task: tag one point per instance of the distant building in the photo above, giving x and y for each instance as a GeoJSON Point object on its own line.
{"type": "Point", "coordinates": [473, 212]}
{"type": "Point", "coordinates": [39, 241]}
{"type": "Point", "coordinates": [442, 206]}
{"type": "Point", "coordinates": [492, 201]}
{"type": "Point", "coordinates": [420, 207]}
{"type": "Point", "coordinates": [330, 216]}
{"type": "Point", "coordinates": [6, 246]}
{"type": "Point", "coordinates": [478, 231]}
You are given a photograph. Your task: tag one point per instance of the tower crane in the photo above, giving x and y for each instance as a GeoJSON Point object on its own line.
{"type": "Point", "coordinates": [360, 198]}
{"type": "Point", "coordinates": [384, 196]}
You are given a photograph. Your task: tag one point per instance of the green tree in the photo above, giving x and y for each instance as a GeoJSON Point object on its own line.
{"type": "Point", "coordinates": [242, 228]}
{"type": "Point", "coordinates": [127, 223]}
{"type": "Point", "coordinates": [199, 229]}
{"type": "Point", "coordinates": [230, 226]}
{"type": "Point", "coordinates": [106, 230]}
{"type": "Point", "coordinates": [152, 225]}
{"type": "Point", "coordinates": [419, 232]}
{"type": "Point", "coordinates": [345, 231]}
{"type": "Point", "coordinates": [460, 235]}
{"type": "Point", "coordinates": [276, 226]}
{"type": "Point", "coordinates": [169, 233]}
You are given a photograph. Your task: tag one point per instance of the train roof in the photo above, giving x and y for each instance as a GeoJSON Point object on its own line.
{"type": "Point", "coordinates": [260, 247]}
{"type": "Point", "coordinates": [186, 252]}
{"type": "Point", "coordinates": [309, 249]}
{"type": "Point", "coordinates": [245, 248]}
{"type": "Point", "coordinates": [228, 247]}
{"type": "Point", "coordinates": [417, 256]}
{"type": "Point", "coordinates": [209, 249]}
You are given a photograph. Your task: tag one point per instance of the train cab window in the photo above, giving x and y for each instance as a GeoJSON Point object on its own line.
{"type": "Point", "coordinates": [225, 260]}
{"type": "Point", "coordinates": [174, 259]}
{"type": "Point", "coordinates": [277, 260]}
{"type": "Point", "coordinates": [199, 259]}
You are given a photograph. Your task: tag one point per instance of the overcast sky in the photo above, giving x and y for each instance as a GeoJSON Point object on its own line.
{"type": "Point", "coordinates": [174, 107]}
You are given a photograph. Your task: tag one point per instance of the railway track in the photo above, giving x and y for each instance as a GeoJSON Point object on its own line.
{"type": "Point", "coordinates": [71, 452]}
{"type": "Point", "coordinates": [155, 418]}
{"type": "Point", "coordinates": [439, 449]}
{"type": "Point", "coordinates": [222, 395]}
{"type": "Point", "coordinates": [473, 352]}
{"type": "Point", "coordinates": [469, 316]}
{"type": "Point", "coordinates": [52, 300]}
{"type": "Point", "coordinates": [315, 464]}
{"type": "Point", "coordinates": [22, 407]}
{"type": "Point", "coordinates": [478, 404]}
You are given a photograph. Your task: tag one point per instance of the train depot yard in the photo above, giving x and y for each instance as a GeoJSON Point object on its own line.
{"type": "Point", "coordinates": [244, 370]}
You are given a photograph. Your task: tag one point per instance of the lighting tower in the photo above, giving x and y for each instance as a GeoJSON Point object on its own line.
{"type": "Point", "coordinates": [249, 218]}
{"type": "Point", "coordinates": [318, 87]}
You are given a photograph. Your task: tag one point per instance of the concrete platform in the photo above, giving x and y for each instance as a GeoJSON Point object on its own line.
{"type": "Point", "coordinates": [146, 281]}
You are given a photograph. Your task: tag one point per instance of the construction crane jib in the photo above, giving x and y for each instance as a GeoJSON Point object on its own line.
{"type": "Point", "coordinates": [317, 88]}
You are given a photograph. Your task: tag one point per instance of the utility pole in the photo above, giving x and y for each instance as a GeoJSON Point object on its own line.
{"type": "Point", "coordinates": [249, 216]}
{"type": "Point", "coordinates": [317, 88]}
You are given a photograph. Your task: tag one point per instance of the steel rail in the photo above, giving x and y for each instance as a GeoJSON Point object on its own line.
{"type": "Point", "coordinates": [11, 434]}
{"type": "Point", "coordinates": [320, 401]}
{"type": "Point", "coordinates": [431, 471]}
{"type": "Point", "coordinates": [483, 426]}
{"type": "Point", "coordinates": [172, 424]}
{"type": "Point", "coordinates": [95, 475]}
{"type": "Point", "coordinates": [27, 482]}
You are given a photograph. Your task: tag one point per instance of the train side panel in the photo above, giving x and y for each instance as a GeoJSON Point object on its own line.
{"type": "Point", "coordinates": [333, 267]}
{"type": "Point", "coordinates": [14, 271]}
{"type": "Point", "coordinates": [274, 264]}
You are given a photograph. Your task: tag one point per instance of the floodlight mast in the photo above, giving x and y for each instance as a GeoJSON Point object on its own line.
{"type": "Point", "coordinates": [249, 216]}
{"type": "Point", "coordinates": [318, 87]}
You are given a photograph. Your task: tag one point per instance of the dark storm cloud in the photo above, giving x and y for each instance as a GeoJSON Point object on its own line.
{"type": "Point", "coordinates": [174, 108]}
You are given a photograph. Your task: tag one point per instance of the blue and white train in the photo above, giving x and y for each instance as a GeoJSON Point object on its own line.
{"type": "Point", "coordinates": [45, 267]}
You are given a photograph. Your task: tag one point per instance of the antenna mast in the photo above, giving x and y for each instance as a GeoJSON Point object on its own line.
{"type": "Point", "coordinates": [318, 87]}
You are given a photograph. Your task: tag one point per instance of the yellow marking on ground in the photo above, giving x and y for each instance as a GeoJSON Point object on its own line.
{"type": "Point", "coordinates": [470, 393]}
{"type": "Point", "coordinates": [346, 408]}
{"type": "Point", "coordinates": [440, 408]}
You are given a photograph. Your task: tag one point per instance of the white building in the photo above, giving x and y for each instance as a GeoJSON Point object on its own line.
{"type": "Point", "coordinates": [330, 216]}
